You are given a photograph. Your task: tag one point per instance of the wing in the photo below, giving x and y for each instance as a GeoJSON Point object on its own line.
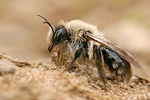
{"type": "Point", "coordinates": [115, 48]}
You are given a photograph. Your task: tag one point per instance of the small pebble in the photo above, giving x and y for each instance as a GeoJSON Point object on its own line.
{"type": "Point", "coordinates": [7, 67]}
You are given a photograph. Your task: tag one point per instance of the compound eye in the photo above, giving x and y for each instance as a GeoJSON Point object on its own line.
{"type": "Point", "coordinates": [61, 35]}
{"type": "Point", "coordinates": [61, 32]}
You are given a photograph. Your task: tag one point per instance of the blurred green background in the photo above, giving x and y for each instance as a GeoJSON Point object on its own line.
{"type": "Point", "coordinates": [23, 35]}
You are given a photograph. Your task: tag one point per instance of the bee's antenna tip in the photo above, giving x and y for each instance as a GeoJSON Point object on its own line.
{"type": "Point", "coordinates": [46, 21]}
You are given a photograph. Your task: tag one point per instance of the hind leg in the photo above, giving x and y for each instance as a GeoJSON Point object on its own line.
{"type": "Point", "coordinates": [99, 65]}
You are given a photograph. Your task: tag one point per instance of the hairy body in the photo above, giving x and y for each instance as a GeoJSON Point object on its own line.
{"type": "Point", "coordinates": [83, 42]}
{"type": "Point", "coordinates": [119, 68]}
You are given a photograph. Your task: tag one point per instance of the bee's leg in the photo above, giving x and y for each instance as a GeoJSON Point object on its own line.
{"type": "Point", "coordinates": [77, 55]}
{"type": "Point", "coordinates": [99, 65]}
{"type": "Point", "coordinates": [102, 58]}
{"type": "Point", "coordinates": [112, 65]}
{"type": "Point", "coordinates": [63, 47]}
{"type": "Point", "coordinates": [62, 52]}
{"type": "Point", "coordinates": [58, 63]}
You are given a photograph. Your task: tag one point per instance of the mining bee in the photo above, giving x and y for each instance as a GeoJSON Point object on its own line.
{"type": "Point", "coordinates": [81, 40]}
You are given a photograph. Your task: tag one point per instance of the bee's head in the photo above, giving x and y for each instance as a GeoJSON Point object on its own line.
{"type": "Point", "coordinates": [58, 35]}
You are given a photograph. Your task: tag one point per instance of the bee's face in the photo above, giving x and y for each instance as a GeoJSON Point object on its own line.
{"type": "Point", "coordinates": [59, 35]}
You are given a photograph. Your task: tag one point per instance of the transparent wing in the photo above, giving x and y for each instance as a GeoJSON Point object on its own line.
{"type": "Point", "coordinates": [115, 48]}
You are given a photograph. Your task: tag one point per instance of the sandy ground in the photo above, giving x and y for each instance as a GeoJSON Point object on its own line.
{"type": "Point", "coordinates": [41, 81]}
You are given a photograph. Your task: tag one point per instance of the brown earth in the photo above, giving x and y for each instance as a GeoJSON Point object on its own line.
{"type": "Point", "coordinates": [41, 81]}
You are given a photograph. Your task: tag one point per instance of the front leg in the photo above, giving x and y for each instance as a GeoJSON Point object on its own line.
{"type": "Point", "coordinates": [60, 54]}
{"type": "Point", "coordinates": [77, 55]}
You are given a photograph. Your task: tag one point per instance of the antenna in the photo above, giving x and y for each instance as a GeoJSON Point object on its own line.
{"type": "Point", "coordinates": [46, 22]}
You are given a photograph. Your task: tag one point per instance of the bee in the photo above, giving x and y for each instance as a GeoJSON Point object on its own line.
{"type": "Point", "coordinates": [83, 41]}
